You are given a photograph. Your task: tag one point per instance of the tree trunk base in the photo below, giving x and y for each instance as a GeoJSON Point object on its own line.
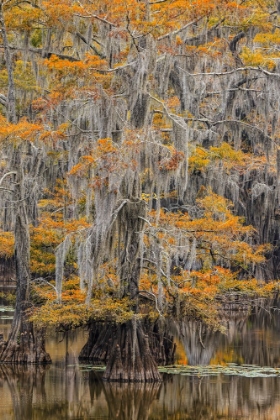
{"type": "Point", "coordinates": [101, 337]}
{"type": "Point", "coordinates": [96, 349]}
{"type": "Point", "coordinates": [162, 345]}
{"type": "Point", "coordinates": [25, 345]}
{"type": "Point", "coordinates": [130, 358]}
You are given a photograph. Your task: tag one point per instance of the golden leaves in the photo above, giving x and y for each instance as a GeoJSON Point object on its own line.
{"type": "Point", "coordinates": [21, 131]}
{"type": "Point", "coordinates": [7, 244]}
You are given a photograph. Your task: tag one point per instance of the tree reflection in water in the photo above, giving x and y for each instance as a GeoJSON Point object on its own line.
{"type": "Point", "coordinates": [130, 401]}
{"type": "Point", "coordinates": [26, 386]}
{"type": "Point", "coordinates": [39, 394]}
{"type": "Point", "coordinates": [77, 393]}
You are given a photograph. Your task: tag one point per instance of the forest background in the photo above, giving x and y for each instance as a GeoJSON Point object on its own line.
{"type": "Point", "coordinates": [140, 168]}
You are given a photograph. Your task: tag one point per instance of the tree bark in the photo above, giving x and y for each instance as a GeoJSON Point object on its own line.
{"type": "Point", "coordinates": [25, 344]}
{"type": "Point", "coordinates": [130, 358]}
{"type": "Point", "coordinates": [98, 347]}
{"type": "Point", "coordinates": [131, 224]}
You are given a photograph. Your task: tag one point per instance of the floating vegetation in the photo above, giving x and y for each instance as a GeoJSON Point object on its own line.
{"type": "Point", "coordinates": [7, 309]}
{"type": "Point", "coordinates": [231, 369]}
{"type": "Point", "coordinates": [96, 368]}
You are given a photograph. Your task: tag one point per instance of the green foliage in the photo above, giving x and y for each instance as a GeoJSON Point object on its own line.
{"type": "Point", "coordinates": [8, 298]}
{"type": "Point", "coordinates": [24, 77]}
{"type": "Point", "coordinates": [36, 38]}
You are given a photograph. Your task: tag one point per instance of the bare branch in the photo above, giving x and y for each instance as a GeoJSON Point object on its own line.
{"type": "Point", "coordinates": [42, 280]}
{"type": "Point", "coordinates": [178, 30]}
{"type": "Point", "coordinates": [7, 174]}
{"type": "Point", "coordinates": [225, 73]}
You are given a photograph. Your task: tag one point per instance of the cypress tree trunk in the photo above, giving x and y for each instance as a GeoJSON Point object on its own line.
{"type": "Point", "coordinates": [102, 338]}
{"type": "Point", "coordinates": [25, 344]}
{"type": "Point", "coordinates": [126, 347]}
{"type": "Point", "coordinates": [130, 357]}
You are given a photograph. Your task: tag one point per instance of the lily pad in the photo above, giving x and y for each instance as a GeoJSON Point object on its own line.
{"type": "Point", "coordinates": [7, 309]}
{"type": "Point", "coordinates": [231, 369]}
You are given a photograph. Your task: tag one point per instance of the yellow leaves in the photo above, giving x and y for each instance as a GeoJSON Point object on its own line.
{"type": "Point", "coordinates": [106, 146]}
{"type": "Point", "coordinates": [52, 136]}
{"type": "Point", "coordinates": [111, 309]}
{"type": "Point", "coordinates": [52, 229]}
{"type": "Point", "coordinates": [227, 154]}
{"type": "Point", "coordinates": [73, 312]}
{"type": "Point", "coordinates": [231, 284]}
{"type": "Point", "coordinates": [268, 39]}
{"type": "Point", "coordinates": [81, 168]}
{"type": "Point", "coordinates": [60, 12]}
{"type": "Point", "coordinates": [7, 244]}
{"type": "Point", "coordinates": [23, 130]}
{"type": "Point", "coordinates": [160, 122]}
{"type": "Point", "coordinates": [173, 103]}
{"type": "Point", "coordinates": [178, 41]}
{"type": "Point", "coordinates": [216, 208]}
{"type": "Point", "coordinates": [64, 66]}
{"type": "Point", "coordinates": [71, 315]}
{"type": "Point", "coordinates": [95, 62]}
{"type": "Point", "coordinates": [24, 79]}
{"type": "Point", "coordinates": [219, 238]}
{"type": "Point", "coordinates": [105, 152]}
{"type": "Point", "coordinates": [23, 16]}
{"type": "Point", "coordinates": [199, 160]}
{"type": "Point", "coordinates": [257, 58]}
{"type": "Point", "coordinates": [90, 73]}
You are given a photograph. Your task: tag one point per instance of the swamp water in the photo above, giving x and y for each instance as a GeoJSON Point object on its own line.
{"type": "Point", "coordinates": [233, 376]}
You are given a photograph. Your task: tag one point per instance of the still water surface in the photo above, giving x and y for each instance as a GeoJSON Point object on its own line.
{"type": "Point", "coordinates": [66, 390]}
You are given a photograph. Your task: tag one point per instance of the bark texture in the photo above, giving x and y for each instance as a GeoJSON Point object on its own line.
{"type": "Point", "coordinates": [98, 347]}
{"type": "Point", "coordinates": [130, 358]}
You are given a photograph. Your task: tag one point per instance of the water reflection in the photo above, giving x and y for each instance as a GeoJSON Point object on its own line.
{"type": "Point", "coordinates": [253, 339]}
{"type": "Point", "coordinates": [220, 398]}
{"type": "Point", "coordinates": [130, 401]}
{"type": "Point", "coordinates": [21, 388]}
{"type": "Point", "coordinates": [66, 390]}
{"type": "Point", "coordinates": [52, 394]}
